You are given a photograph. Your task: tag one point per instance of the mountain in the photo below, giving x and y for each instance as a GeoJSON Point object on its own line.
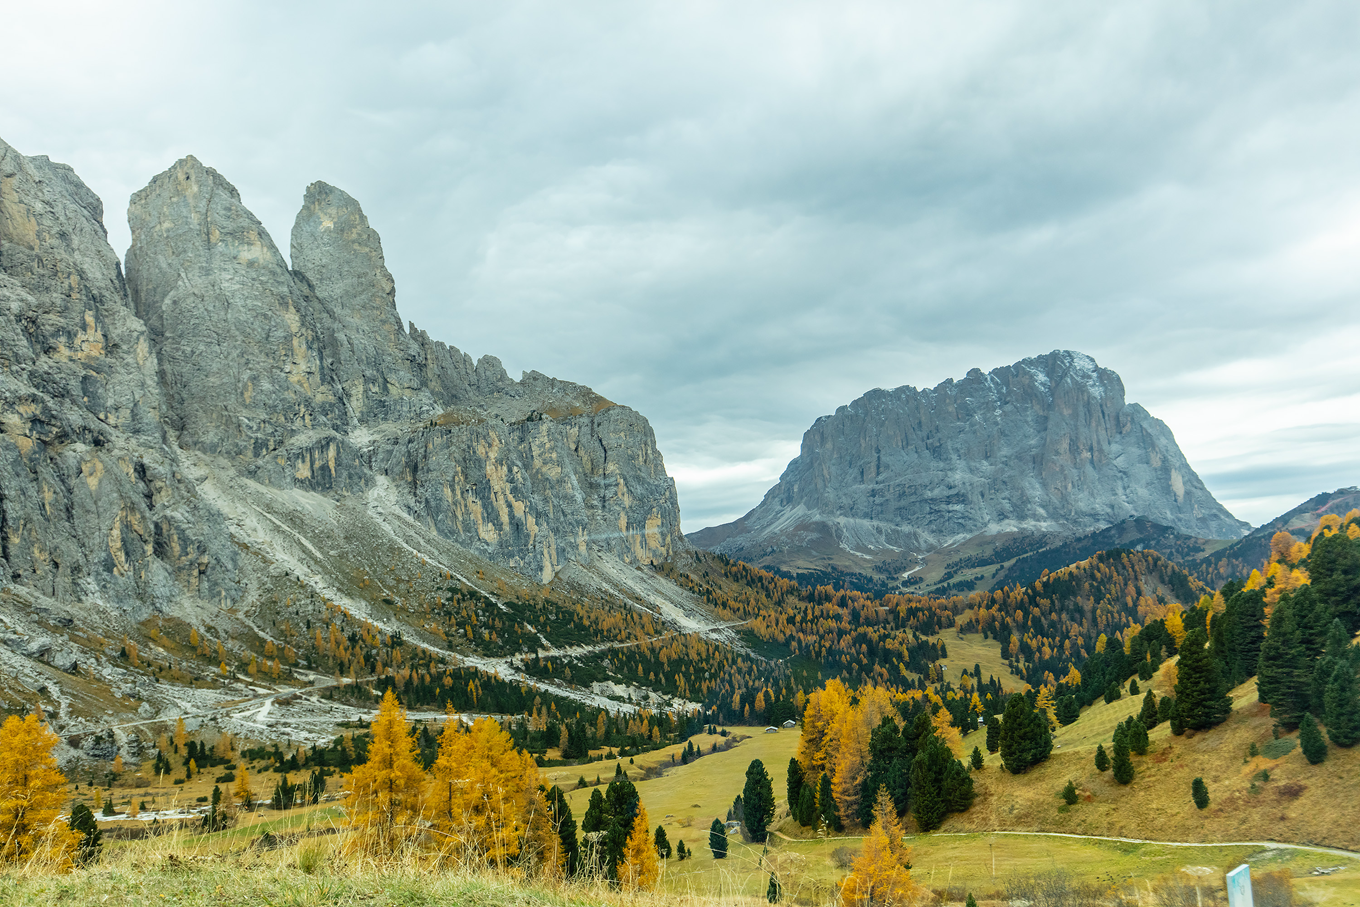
{"type": "Point", "coordinates": [1043, 449]}
{"type": "Point", "coordinates": [228, 442]}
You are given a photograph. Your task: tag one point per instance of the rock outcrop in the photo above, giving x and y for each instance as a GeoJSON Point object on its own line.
{"type": "Point", "coordinates": [93, 503]}
{"type": "Point", "coordinates": [215, 358]}
{"type": "Point", "coordinates": [1046, 445]}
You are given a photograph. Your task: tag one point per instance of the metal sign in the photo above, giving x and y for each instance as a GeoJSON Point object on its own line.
{"type": "Point", "coordinates": [1239, 887]}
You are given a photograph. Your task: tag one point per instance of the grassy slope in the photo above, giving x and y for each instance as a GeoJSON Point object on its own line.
{"type": "Point", "coordinates": [1300, 803]}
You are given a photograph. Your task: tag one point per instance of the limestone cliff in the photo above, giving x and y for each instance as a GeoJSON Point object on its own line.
{"type": "Point", "coordinates": [1047, 444]}
{"type": "Point", "coordinates": [214, 357]}
{"type": "Point", "coordinates": [93, 504]}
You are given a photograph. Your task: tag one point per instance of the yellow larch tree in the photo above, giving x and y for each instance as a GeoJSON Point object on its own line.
{"type": "Point", "coordinates": [240, 791]}
{"type": "Point", "coordinates": [881, 875]}
{"type": "Point", "coordinates": [640, 867]}
{"type": "Point", "coordinates": [387, 790]}
{"type": "Point", "coordinates": [32, 791]}
{"type": "Point", "coordinates": [483, 799]}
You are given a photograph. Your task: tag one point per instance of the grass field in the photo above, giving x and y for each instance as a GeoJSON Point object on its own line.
{"type": "Point", "coordinates": [969, 649]}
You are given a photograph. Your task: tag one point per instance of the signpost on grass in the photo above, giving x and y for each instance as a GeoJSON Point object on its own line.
{"type": "Point", "coordinates": [1239, 887]}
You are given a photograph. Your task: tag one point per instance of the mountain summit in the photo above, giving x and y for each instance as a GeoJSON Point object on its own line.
{"type": "Point", "coordinates": [1047, 445]}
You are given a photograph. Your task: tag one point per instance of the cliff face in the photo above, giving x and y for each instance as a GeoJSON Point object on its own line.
{"type": "Point", "coordinates": [1047, 444]}
{"type": "Point", "coordinates": [215, 359]}
{"type": "Point", "coordinates": [93, 503]}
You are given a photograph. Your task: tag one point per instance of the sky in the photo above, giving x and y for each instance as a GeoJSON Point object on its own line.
{"type": "Point", "coordinates": [736, 217]}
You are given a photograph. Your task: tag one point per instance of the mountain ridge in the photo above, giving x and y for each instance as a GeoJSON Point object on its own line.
{"type": "Point", "coordinates": [1046, 445]}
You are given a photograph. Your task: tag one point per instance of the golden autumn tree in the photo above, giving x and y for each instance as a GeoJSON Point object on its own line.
{"type": "Point", "coordinates": [881, 874]}
{"type": "Point", "coordinates": [32, 790]}
{"type": "Point", "coordinates": [386, 791]}
{"type": "Point", "coordinates": [240, 792]}
{"type": "Point", "coordinates": [640, 867]}
{"type": "Point", "coordinates": [483, 800]}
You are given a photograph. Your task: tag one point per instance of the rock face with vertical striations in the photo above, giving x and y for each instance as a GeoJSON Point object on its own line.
{"type": "Point", "coordinates": [216, 360]}
{"type": "Point", "coordinates": [1045, 445]}
{"type": "Point", "coordinates": [93, 505]}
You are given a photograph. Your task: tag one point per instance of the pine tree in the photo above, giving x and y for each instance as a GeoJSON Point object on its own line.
{"type": "Point", "coordinates": [757, 801]}
{"type": "Point", "coordinates": [1133, 688]}
{"type": "Point", "coordinates": [564, 824]}
{"type": "Point", "coordinates": [1201, 693]}
{"type": "Point", "coordinates": [1148, 714]}
{"type": "Point", "coordinates": [806, 814]}
{"type": "Point", "coordinates": [1122, 764]}
{"type": "Point", "coordinates": [84, 824]}
{"type": "Point", "coordinates": [1069, 794]}
{"type": "Point", "coordinates": [795, 787]}
{"type": "Point", "coordinates": [1310, 740]}
{"type": "Point", "coordinates": [977, 758]}
{"type": "Point", "coordinates": [32, 791]}
{"type": "Point", "coordinates": [1069, 710]}
{"type": "Point", "coordinates": [774, 891]}
{"type": "Point", "coordinates": [971, 902]}
{"type": "Point", "coordinates": [1343, 707]}
{"type": "Point", "coordinates": [1199, 793]}
{"type": "Point", "coordinates": [386, 790]}
{"type": "Point", "coordinates": [717, 837]}
{"type": "Point", "coordinates": [1102, 760]}
{"type": "Point", "coordinates": [1025, 737]}
{"type": "Point", "coordinates": [1284, 671]}
{"type": "Point", "coordinates": [663, 845]}
{"type": "Point", "coordinates": [681, 851]}
{"type": "Point", "coordinates": [993, 734]}
{"type": "Point", "coordinates": [826, 805]}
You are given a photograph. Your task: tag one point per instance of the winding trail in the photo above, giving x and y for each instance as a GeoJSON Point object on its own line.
{"type": "Point", "coordinates": [1270, 845]}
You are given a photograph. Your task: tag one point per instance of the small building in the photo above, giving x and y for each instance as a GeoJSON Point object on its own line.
{"type": "Point", "coordinates": [772, 730]}
{"type": "Point", "coordinates": [790, 723]}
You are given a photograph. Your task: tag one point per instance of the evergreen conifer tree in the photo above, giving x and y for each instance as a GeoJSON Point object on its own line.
{"type": "Point", "coordinates": [826, 804]}
{"type": "Point", "coordinates": [1133, 687]}
{"type": "Point", "coordinates": [1199, 793]}
{"type": "Point", "coordinates": [774, 891]}
{"type": "Point", "coordinates": [1102, 759]}
{"type": "Point", "coordinates": [1122, 764]}
{"type": "Point", "coordinates": [84, 824]}
{"type": "Point", "coordinates": [993, 734]}
{"type": "Point", "coordinates": [1310, 740]}
{"type": "Point", "coordinates": [807, 806]}
{"type": "Point", "coordinates": [977, 758]}
{"type": "Point", "coordinates": [1343, 707]}
{"type": "Point", "coordinates": [1069, 710]}
{"type": "Point", "coordinates": [1177, 726]}
{"type": "Point", "coordinates": [1148, 714]}
{"type": "Point", "coordinates": [662, 843]}
{"type": "Point", "coordinates": [1334, 571]}
{"type": "Point", "coordinates": [971, 902]}
{"type": "Point", "coordinates": [1201, 693]}
{"type": "Point", "coordinates": [757, 798]}
{"type": "Point", "coordinates": [717, 838]}
{"type": "Point", "coordinates": [1069, 794]}
{"type": "Point", "coordinates": [795, 785]}
{"type": "Point", "coordinates": [564, 824]}
{"type": "Point", "coordinates": [1025, 737]}
{"type": "Point", "coordinates": [1164, 708]}
{"type": "Point", "coordinates": [681, 851]}
{"type": "Point", "coordinates": [1284, 670]}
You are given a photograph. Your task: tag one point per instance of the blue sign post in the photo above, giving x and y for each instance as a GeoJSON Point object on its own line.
{"type": "Point", "coordinates": [1239, 887]}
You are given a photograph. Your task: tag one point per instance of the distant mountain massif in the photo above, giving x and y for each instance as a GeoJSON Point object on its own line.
{"type": "Point", "coordinates": [986, 468]}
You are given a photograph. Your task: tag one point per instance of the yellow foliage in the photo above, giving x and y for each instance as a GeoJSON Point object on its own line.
{"type": "Point", "coordinates": [880, 876]}
{"type": "Point", "coordinates": [1175, 623]}
{"type": "Point", "coordinates": [483, 797]}
{"type": "Point", "coordinates": [32, 791]}
{"type": "Point", "coordinates": [640, 867]}
{"type": "Point", "coordinates": [1101, 643]}
{"type": "Point", "coordinates": [385, 792]}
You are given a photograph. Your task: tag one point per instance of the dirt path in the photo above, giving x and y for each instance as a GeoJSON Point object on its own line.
{"type": "Point", "coordinates": [1270, 845]}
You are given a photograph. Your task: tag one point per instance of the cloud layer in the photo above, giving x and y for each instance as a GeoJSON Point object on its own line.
{"type": "Point", "coordinates": [736, 217]}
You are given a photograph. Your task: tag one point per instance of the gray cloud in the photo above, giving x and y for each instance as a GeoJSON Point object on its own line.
{"type": "Point", "coordinates": [735, 219]}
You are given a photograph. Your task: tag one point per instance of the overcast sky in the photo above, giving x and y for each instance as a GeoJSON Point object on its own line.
{"type": "Point", "coordinates": [736, 217]}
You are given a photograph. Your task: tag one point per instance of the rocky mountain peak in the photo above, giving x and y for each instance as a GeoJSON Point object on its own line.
{"type": "Point", "coordinates": [1047, 444]}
